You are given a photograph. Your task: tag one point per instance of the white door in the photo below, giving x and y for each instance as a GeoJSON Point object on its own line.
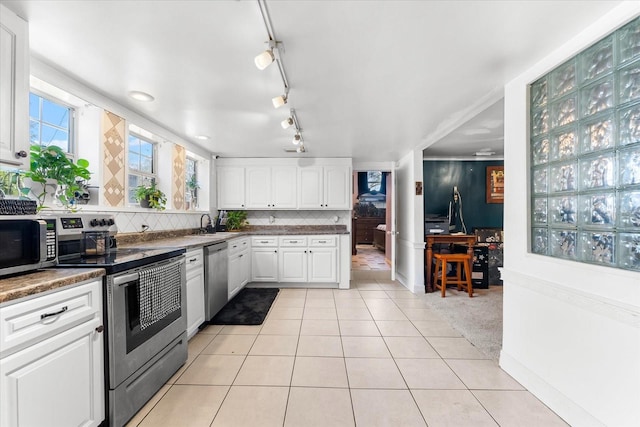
{"type": "Point", "coordinates": [58, 381]}
{"type": "Point", "coordinates": [391, 228]}
{"type": "Point", "coordinates": [264, 264]}
{"type": "Point", "coordinates": [293, 265]}
{"type": "Point", "coordinates": [337, 187]}
{"type": "Point", "coordinates": [323, 265]}
{"type": "Point", "coordinates": [230, 187]}
{"type": "Point", "coordinates": [284, 187]}
{"type": "Point", "coordinates": [258, 188]}
{"type": "Point", "coordinates": [195, 299]}
{"type": "Point", "coordinates": [310, 190]}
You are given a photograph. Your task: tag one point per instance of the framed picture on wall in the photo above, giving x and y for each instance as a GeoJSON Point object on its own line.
{"type": "Point", "coordinates": [495, 184]}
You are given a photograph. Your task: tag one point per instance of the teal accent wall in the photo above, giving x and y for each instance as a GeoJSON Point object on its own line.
{"type": "Point", "coordinates": [470, 176]}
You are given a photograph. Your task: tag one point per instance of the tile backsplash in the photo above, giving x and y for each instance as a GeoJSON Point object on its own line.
{"type": "Point", "coordinates": [132, 221]}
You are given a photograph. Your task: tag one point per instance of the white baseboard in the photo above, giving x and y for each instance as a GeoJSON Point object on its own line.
{"type": "Point", "coordinates": [566, 409]}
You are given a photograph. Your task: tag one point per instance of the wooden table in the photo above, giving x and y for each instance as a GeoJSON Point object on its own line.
{"type": "Point", "coordinates": [431, 239]}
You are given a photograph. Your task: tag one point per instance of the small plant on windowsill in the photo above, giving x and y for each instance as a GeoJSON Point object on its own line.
{"type": "Point", "coordinates": [150, 196]}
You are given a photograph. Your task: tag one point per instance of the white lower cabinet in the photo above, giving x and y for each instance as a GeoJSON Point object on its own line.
{"type": "Point", "coordinates": [239, 265]}
{"type": "Point", "coordinates": [308, 259]}
{"type": "Point", "coordinates": [322, 265]}
{"type": "Point", "coordinates": [52, 361]}
{"type": "Point", "coordinates": [264, 264]}
{"type": "Point", "coordinates": [195, 291]}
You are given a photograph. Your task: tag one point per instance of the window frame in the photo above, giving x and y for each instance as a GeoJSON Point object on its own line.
{"type": "Point", "coordinates": [72, 152]}
{"type": "Point", "coordinates": [153, 176]}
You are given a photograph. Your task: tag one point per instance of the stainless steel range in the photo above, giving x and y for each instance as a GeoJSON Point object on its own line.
{"type": "Point", "coordinates": [145, 312]}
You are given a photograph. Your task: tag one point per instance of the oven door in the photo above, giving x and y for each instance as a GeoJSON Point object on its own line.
{"type": "Point", "coordinates": [145, 312]}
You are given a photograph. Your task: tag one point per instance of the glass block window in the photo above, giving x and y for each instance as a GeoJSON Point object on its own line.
{"type": "Point", "coordinates": [585, 155]}
{"type": "Point", "coordinates": [191, 183]}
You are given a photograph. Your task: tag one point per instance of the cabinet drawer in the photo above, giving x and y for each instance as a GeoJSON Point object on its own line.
{"type": "Point", "coordinates": [320, 241]}
{"type": "Point", "coordinates": [293, 241]}
{"type": "Point", "coordinates": [31, 321]}
{"type": "Point", "coordinates": [263, 241]}
{"type": "Point", "coordinates": [238, 245]}
{"type": "Point", "coordinates": [194, 259]}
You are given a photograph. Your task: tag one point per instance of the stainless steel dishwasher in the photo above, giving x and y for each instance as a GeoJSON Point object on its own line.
{"type": "Point", "coordinates": [215, 273]}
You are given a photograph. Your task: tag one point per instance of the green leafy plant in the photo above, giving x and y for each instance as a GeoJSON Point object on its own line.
{"type": "Point", "coordinates": [151, 196]}
{"type": "Point", "coordinates": [192, 183]}
{"type": "Point", "coordinates": [236, 220]}
{"type": "Point", "coordinates": [50, 165]}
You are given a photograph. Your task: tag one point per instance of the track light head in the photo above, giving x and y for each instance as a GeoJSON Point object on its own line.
{"type": "Point", "coordinates": [301, 149]}
{"type": "Point", "coordinates": [287, 123]}
{"type": "Point", "coordinates": [296, 139]}
{"type": "Point", "coordinates": [279, 101]}
{"type": "Point", "coordinates": [264, 59]}
{"type": "Point", "coordinates": [267, 57]}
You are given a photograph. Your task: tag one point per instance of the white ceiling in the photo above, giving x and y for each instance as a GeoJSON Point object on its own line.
{"type": "Point", "coordinates": [369, 79]}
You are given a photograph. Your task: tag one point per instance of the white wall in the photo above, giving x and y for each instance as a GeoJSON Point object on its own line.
{"type": "Point", "coordinates": [571, 330]}
{"type": "Point", "coordinates": [409, 213]}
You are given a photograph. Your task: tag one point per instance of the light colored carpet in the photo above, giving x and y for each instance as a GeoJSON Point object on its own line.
{"type": "Point", "coordinates": [478, 319]}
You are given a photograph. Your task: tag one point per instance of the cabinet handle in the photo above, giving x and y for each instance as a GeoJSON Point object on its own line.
{"type": "Point", "coordinates": [264, 241]}
{"type": "Point", "coordinates": [99, 329]}
{"type": "Point", "coordinates": [193, 259]}
{"type": "Point", "coordinates": [241, 255]}
{"type": "Point", "coordinates": [275, 251]}
{"type": "Point", "coordinates": [322, 241]}
{"type": "Point", "coordinates": [62, 310]}
{"type": "Point", "coordinates": [293, 241]}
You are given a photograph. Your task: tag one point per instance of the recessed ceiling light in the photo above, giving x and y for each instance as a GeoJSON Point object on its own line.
{"type": "Point", "coordinates": [201, 137]}
{"type": "Point", "coordinates": [141, 96]}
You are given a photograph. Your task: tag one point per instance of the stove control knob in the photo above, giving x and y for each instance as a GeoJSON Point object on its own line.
{"type": "Point", "coordinates": [110, 221]}
{"type": "Point", "coordinates": [103, 222]}
{"type": "Point", "coordinates": [94, 222]}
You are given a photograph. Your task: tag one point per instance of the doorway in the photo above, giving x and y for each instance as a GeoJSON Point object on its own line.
{"type": "Point", "coordinates": [373, 222]}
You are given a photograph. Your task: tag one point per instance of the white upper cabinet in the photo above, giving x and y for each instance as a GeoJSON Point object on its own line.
{"type": "Point", "coordinates": [266, 184]}
{"type": "Point", "coordinates": [271, 187]}
{"type": "Point", "coordinates": [14, 91]}
{"type": "Point", "coordinates": [325, 187]}
{"type": "Point", "coordinates": [230, 180]}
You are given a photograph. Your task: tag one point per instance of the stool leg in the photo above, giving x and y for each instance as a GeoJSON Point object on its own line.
{"type": "Point", "coordinates": [443, 267]}
{"type": "Point", "coordinates": [467, 271]}
{"type": "Point", "coordinates": [459, 275]}
{"type": "Point", "coordinates": [435, 275]}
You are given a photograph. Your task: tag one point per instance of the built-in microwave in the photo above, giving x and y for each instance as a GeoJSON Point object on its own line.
{"type": "Point", "coordinates": [27, 243]}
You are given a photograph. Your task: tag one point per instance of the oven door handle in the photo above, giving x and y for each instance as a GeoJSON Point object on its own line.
{"type": "Point", "coordinates": [126, 278]}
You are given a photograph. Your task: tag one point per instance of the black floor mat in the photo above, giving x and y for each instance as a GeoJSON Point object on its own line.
{"type": "Point", "coordinates": [249, 307]}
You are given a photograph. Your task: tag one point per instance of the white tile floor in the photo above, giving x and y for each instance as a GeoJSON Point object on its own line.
{"type": "Point", "coordinates": [373, 355]}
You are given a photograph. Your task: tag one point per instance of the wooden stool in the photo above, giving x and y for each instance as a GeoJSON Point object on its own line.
{"type": "Point", "coordinates": [461, 261]}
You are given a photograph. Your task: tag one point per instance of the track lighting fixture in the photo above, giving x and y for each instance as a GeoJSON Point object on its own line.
{"type": "Point", "coordinates": [279, 101]}
{"type": "Point", "coordinates": [301, 149]}
{"type": "Point", "coordinates": [297, 138]}
{"type": "Point", "coordinates": [287, 123]}
{"type": "Point", "coordinates": [267, 57]}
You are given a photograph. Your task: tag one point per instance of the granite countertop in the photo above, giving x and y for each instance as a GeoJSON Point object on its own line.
{"type": "Point", "coordinates": [24, 285]}
{"type": "Point", "coordinates": [195, 241]}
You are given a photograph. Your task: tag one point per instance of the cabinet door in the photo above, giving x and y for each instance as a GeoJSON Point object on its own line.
{"type": "Point", "coordinates": [337, 187]}
{"type": "Point", "coordinates": [230, 187]}
{"type": "Point", "coordinates": [258, 190]}
{"type": "Point", "coordinates": [57, 382]}
{"type": "Point", "coordinates": [284, 187]}
{"type": "Point", "coordinates": [310, 187]}
{"type": "Point", "coordinates": [245, 268]}
{"type": "Point", "coordinates": [235, 275]}
{"type": "Point", "coordinates": [14, 90]}
{"type": "Point", "coordinates": [293, 264]}
{"type": "Point", "coordinates": [195, 300]}
{"type": "Point", "coordinates": [323, 265]}
{"type": "Point", "coordinates": [264, 264]}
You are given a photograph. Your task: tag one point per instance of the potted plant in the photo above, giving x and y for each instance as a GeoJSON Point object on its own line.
{"type": "Point", "coordinates": [236, 220]}
{"type": "Point", "coordinates": [192, 187]}
{"type": "Point", "coordinates": [150, 196]}
{"type": "Point", "coordinates": [50, 167]}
